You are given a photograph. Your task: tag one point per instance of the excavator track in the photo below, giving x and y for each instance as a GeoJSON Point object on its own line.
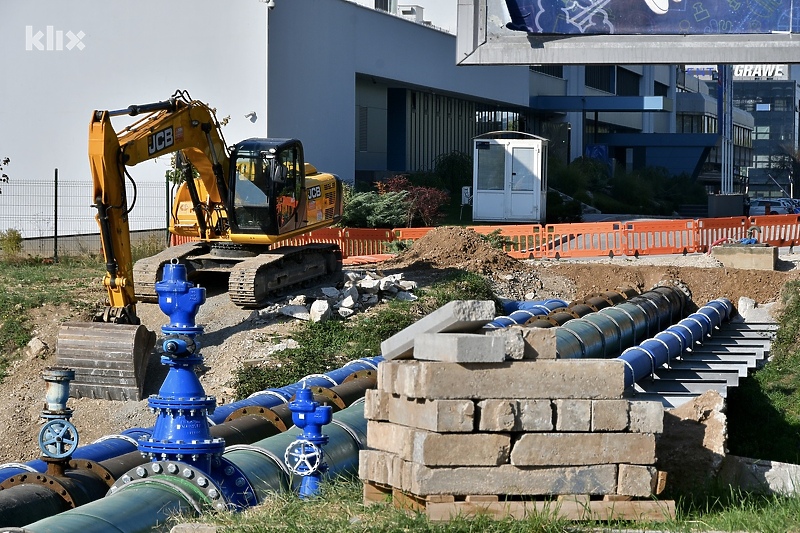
{"type": "Point", "coordinates": [147, 271]}
{"type": "Point", "coordinates": [256, 279]}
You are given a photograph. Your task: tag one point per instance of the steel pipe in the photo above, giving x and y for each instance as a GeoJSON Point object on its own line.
{"type": "Point", "coordinates": [642, 360]}
{"type": "Point", "coordinates": [144, 504]}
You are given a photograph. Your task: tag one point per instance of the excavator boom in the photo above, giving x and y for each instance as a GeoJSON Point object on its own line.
{"type": "Point", "coordinates": [233, 204]}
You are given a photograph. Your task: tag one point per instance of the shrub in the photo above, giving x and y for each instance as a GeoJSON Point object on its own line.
{"type": "Point", "coordinates": [373, 210]}
{"type": "Point", "coordinates": [10, 242]}
{"type": "Point", "coordinates": [424, 203]}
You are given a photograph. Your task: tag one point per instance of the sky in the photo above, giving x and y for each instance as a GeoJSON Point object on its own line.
{"type": "Point", "coordinates": [441, 13]}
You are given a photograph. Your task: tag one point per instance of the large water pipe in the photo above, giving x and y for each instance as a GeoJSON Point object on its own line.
{"type": "Point", "coordinates": [144, 500]}
{"type": "Point", "coordinates": [519, 313]}
{"type": "Point", "coordinates": [642, 360]}
{"type": "Point", "coordinates": [608, 332]}
{"type": "Point", "coordinates": [125, 442]}
{"type": "Point", "coordinates": [27, 497]}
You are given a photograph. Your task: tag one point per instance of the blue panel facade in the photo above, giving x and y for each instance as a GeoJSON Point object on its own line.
{"type": "Point", "coordinates": [652, 17]}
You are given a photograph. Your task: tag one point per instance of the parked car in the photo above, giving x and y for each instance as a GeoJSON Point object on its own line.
{"type": "Point", "coordinates": [770, 206]}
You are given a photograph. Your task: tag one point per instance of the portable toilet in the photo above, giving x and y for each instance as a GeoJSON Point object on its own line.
{"type": "Point", "coordinates": [509, 178]}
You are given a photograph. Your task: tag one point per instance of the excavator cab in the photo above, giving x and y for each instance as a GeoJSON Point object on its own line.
{"type": "Point", "coordinates": [268, 177]}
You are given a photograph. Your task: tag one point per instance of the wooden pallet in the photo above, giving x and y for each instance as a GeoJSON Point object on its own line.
{"type": "Point", "coordinates": [443, 507]}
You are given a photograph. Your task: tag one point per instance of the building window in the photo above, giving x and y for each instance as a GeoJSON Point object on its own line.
{"type": "Point", "coordinates": [763, 107]}
{"type": "Point", "coordinates": [557, 71]}
{"type": "Point", "coordinates": [363, 137]}
{"type": "Point", "coordinates": [761, 133]}
{"type": "Point", "coordinates": [659, 89]}
{"type": "Point", "coordinates": [627, 82]}
{"type": "Point", "coordinates": [600, 77]}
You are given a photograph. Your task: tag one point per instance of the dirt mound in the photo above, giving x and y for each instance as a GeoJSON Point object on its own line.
{"type": "Point", "coordinates": [454, 247]}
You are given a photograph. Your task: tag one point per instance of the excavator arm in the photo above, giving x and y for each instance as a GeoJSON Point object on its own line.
{"type": "Point", "coordinates": [110, 354]}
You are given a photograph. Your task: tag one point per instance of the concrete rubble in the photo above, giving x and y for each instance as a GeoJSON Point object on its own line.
{"type": "Point", "coordinates": [360, 291]}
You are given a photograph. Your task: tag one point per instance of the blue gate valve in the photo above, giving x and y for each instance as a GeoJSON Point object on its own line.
{"type": "Point", "coordinates": [180, 300]}
{"type": "Point", "coordinates": [304, 456]}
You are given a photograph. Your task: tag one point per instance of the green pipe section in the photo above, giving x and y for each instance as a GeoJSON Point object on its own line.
{"type": "Point", "coordinates": [142, 506]}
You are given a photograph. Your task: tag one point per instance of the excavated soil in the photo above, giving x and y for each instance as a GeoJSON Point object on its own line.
{"type": "Point", "coordinates": [233, 335]}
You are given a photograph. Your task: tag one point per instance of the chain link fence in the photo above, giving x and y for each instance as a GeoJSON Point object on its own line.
{"type": "Point", "coordinates": [56, 217]}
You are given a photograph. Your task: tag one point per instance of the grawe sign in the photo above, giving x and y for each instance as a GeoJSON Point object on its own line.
{"type": "Point", "coordinates": [761, 72]}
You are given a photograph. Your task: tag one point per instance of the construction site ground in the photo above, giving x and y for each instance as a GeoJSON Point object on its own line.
{"type": "Point", "coordinates": [233, 335]}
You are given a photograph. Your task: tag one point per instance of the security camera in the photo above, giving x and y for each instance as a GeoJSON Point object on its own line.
{"type": "Point", "coordinates": [270, 3]}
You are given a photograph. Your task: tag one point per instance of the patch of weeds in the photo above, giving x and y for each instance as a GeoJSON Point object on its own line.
{"type": "Point", "coordinates": [326, 346]}
{"type": "Point", "coordinates": [10, 243]}
{"type": "Point", "coordinates": [398, 246]}
{"type": "Point", "coordinates": [496, 240]}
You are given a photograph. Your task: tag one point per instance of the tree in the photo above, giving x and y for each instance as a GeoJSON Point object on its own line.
{"type": "Point", "coordinates": [3, 176]}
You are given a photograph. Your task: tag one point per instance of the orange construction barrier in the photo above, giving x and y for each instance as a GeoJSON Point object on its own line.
{"type": "Point", "coordinates": [582, 239]}
{"type": "Point", "coordinates": [651, 237]}
{"type": "Point", "coordinates": [712, 231]}
{"type": "Point", "coordinates": [777, 230]}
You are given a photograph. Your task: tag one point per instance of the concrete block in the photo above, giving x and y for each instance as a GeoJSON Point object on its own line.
{"type": "Point", "coordinates": [376, 404]}
{"type": "Point", "coordinates": [637, 480]}
{"type": "Point", "coordinates": [380, 467]}
{"type": "Point", "coordinates": [747, 256]}
{"type": "Point", "coordinates": [765, 477]}
{"type": "Point", "coordinates": [535, 415]}
{"type": "Point", "coordinates": [460, 348]}
{"type": "Point", "coordinates": [497, 415]}
{"type": "Point", "coordinates": [509, 480]}
{"type": "Point", "coordinates": [514, 343]}
{"type": "Point", "coordinates": [609, 415]}
{"type": "Point", "coordinates": [567, 378]}
{"type": "Point", "coordinates": [573, 449]}
{"type": "Point", "coordinates": [646, 417]}
{"type": "Point", "coordinates": [513, 415]}
{"type": "Point", "coordinates": [454, 317]}
{"type": "Point", "coordinates": [439, 449]}
{"type": "Point", "coordinates": [443, 416]}
{"type": "Point", "coordinates": [573, 415]}
{"type": "Point", "coordinates": [540, 343]}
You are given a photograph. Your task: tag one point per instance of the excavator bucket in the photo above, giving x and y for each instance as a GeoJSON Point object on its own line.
{"type": "Point", "coordinates": [109, 360]}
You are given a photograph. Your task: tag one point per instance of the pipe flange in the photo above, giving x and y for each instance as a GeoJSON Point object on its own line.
{"type": "Point", "coordinates": [264, 412]}
{"type": "Point", "coordinates": [359, 375]}
{"type": "Point", "coordinates": [63, 487]}
{"type": "Point", "coordinates": [328, 394]}
{"type": "Point", "coordinates": [224, 487]}
{"type": "Point", "coordinates": [95, 468]}
{"type": "Point", "coordinates": [198, 507]}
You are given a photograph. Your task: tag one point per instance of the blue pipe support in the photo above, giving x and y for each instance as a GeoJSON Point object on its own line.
{"type": "Point", "coordinates": [642, 360]}
{"type": "Point", "coordinates": [145, 504]}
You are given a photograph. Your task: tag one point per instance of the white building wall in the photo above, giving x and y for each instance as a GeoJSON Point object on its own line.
{"type": "Point", "coordinates": [129, 53]}
{"type": "Point", "coordinates": [326, 42]}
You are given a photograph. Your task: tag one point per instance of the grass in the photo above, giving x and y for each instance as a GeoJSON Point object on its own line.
{"type": "Point", "coordinates": [26, 284]}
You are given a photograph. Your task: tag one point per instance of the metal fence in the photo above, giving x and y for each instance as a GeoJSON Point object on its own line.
{"type": "Point", "coordinates": [56, 217]}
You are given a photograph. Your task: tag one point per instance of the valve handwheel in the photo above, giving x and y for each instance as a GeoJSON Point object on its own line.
{"type": "Point", "coordinates": [58, 439]}
{"type": "Point", "coordinates": [303, 457]}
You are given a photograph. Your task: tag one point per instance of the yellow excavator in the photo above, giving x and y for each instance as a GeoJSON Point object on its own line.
{"type": "Point", "coordinates": [233, 205]}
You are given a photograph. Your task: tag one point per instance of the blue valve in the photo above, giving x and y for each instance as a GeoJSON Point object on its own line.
{"type": "Point", "coordinates": [180, 300]}
{"type": "Point", "coordinates": [304, 457]}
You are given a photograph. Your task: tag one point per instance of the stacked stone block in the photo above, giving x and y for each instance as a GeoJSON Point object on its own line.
{"type": "Point", "coordinates": [456, 414]}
